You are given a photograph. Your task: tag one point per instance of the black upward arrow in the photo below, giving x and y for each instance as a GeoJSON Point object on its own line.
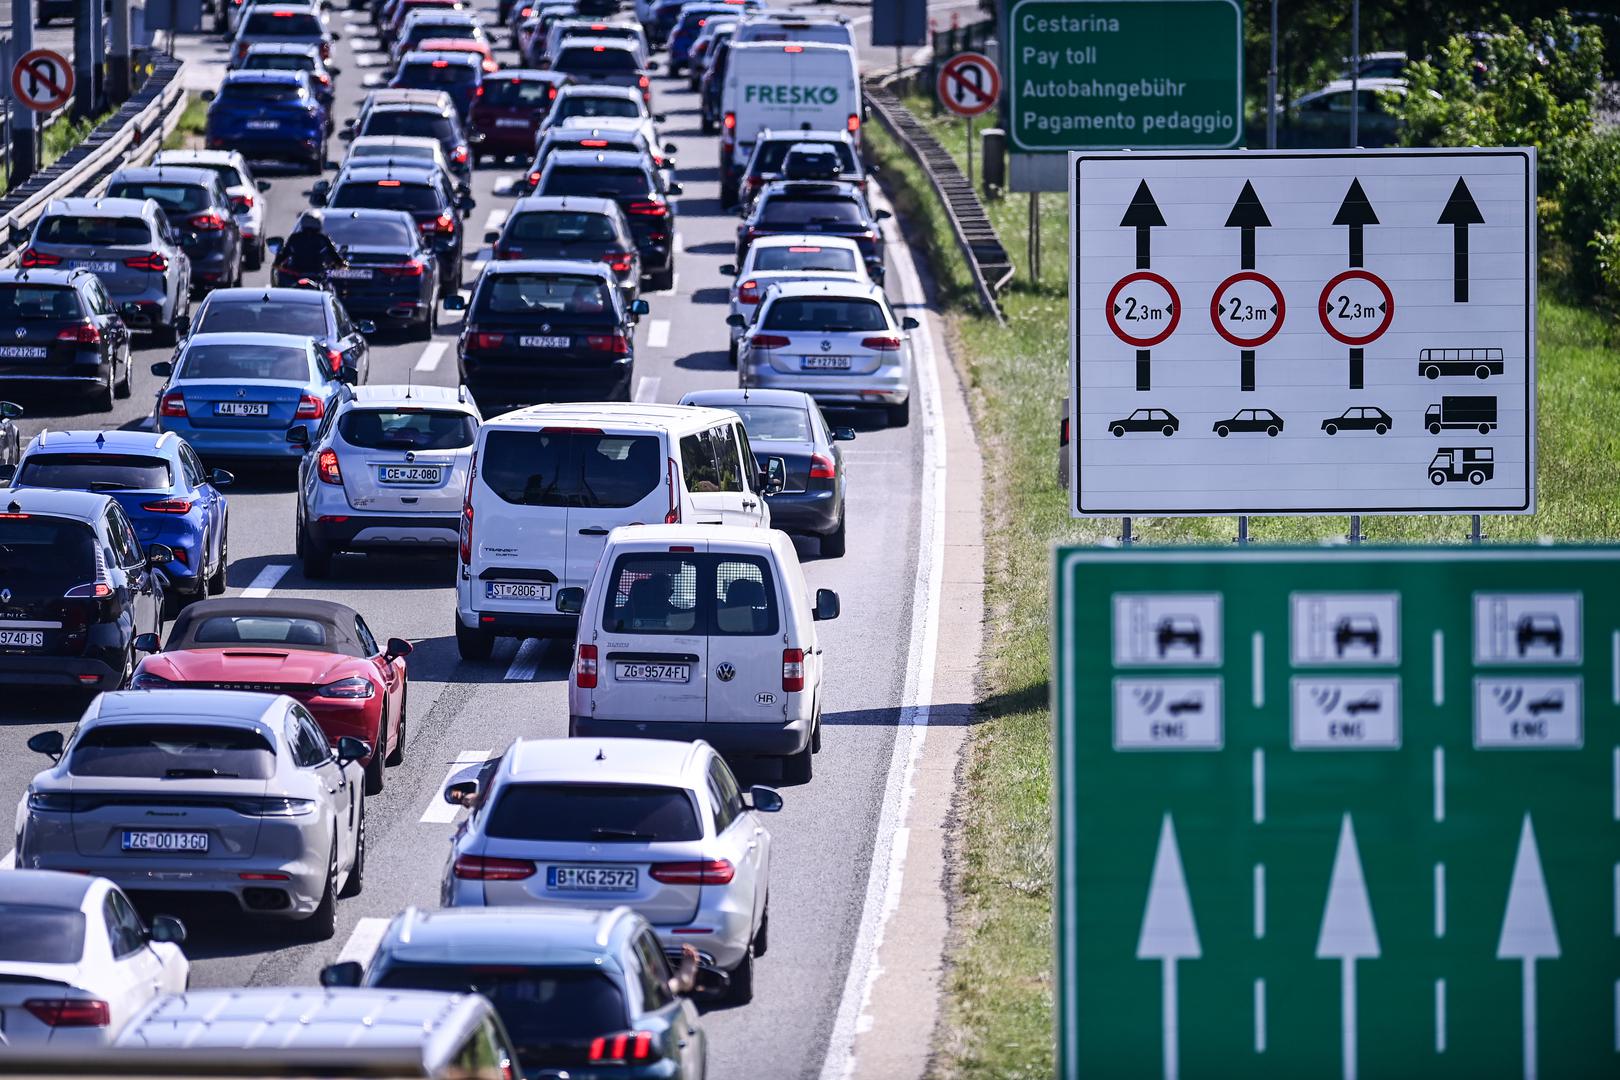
{"type": "Point", "coordinates": [1461, 211]}
{"type": "Point", "coordinates": [1143, 215]}
{"type": "Point", "coordinates": [1248, 215]}
{"type": "Point", "coordinates": [1355, 211]}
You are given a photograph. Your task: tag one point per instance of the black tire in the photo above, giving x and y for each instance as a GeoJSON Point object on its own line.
{"type": "Point", "coordinates": [706, 124]}
{"type": "Point", "coordinates": [733, 352]}
{"type": "Point", "coordinates": [375, 780]}
{"type": "Point", "coordinates": [762, 936]}
{"type": "Point", "coordinates": [1434, 429]}
{"type": "Point", "coordinates": [728, 194]}
{"type": "Point", "coordinates": [1476, 478]}
{"type": "Point", "coordinates": [104, 394]}
{"type": "Point", "coordinates": [1119, 432]}
{"type": "Point", "coordinates": [423, 331]}
{"type": "Point", "coordinates": [216, 580]}
{"type": "Point", "coordinates": [121, 388]}
{"type": "Point", "coordinates": [321, 923]}
{"type": "Point", "coordinates": [801, 767]}
{"type": "Point", "coordinates": [900, 415]}
{"type": "Point", "coordinates": [1431, 373]}
{"type": "Point", "coordinates": [1223, 431]}
{"type": "Point", "coordinates": [357, 874]}
{"type": "Point", "coordinates": [833, 543]}
{"type": "Point", "coordinates": [1380, 429]}
{"type": "Point", "coordinates": [396, 753]}
{"type": "Point", "coordinates": [1332, 429]}
{"type": "Point", "coordinates": [662, 280]}
{"type": "Point", "coordinates": [474, 643]}
{"type": "Point", "coordinates": [164, 337]}
{"type": "Point", "coordinates": [741, 990]}
{"type": "Point", "coordinates": [317, 558]}
{"type": "Point", "coordinates": [1273, 431]}
{"type": "Point", "coordinates": [1482, 372]}
{"type": "Point", "coordinates": [1437, 478]}
{"type": "Point", "coordinates": [253, 259]}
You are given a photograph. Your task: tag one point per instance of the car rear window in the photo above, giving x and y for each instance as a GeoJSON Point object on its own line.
{"type": "Point", "coordinates": [96, 472]}
{"type": "Point", "coordinates": [594, 813]}
{"type": "Point", "coordinates": [279, 61]}
{"type": "Point", "coordinates": [804, 257]}
{"type": "Point", "coordinates": [228, 175]}
{"type": "Point", "coordinates": [538, 1005]}
{"type": "Point", "coordinates": [414, 122]}
{"type": "Point", "coordinates": [429, 74]}
{"type": "Point", "coordinates": [94, 231]}
{"type": "Point", "coordinates": [772, 152]}
{"type": "Point", "coordinates": [596, 105]}
{"type": "Point", "coordinates": [562, 226]}
{"type": "Point", "coordinates": [571, 468]}
{"type": "Point", "coordinates": [407, 429]}
{"type": "Point", "coordinates": [515, 93]}
{"type": "Point", "coordinates": [595, 59]}
{"type": "Point", "coordinates": [386, 195]}
{"type": "Point", "coordinates": [206, 361]}
{"type": "Point", "coordinates": [424, 30]}
{"type": "Point", "coordinates": [532, 294]}
{"type": "Point", "coordinates": [253, 90]}
{"type": "Point", "coordinates": [262, 317]}
{"type": "Point", "coordinates": [774, 423]}
{"type": "Point", "coordinates": [33, 934]}
{"type": "Point", "coordinates": [370, 232]}
{"type": "Point", "coordinates": [798, 210]}
{"type": "Point", "coordinates": [172, 751]}
{"type": "Point", "coordinates": [606, 181]}
{"type": "Point", "coordinates": [258, 630]}
{"type": "Point", "coordinates": [824, 314]}
{"type": "Point", "coordinates": [182, 198]}
{"type": "Point", "coordinates": [666, 593]}
{"type": "Point", "coordinates": [46, 556]}
{"type": "Point", "coordinates": [39, 302]}
{"type": "Point", "coordinates": [282, 24]}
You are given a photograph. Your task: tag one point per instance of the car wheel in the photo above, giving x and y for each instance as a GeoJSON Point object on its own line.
{"type": "Point", "coordinates": [1483, 372]}
{"type": "Point", "coordinates": [1332, 429]}
{"type": "Point", "coordinates": [832, 544]}
{"type": "Point", "coordinates": [474, 643]}
{"type": "Point", "coordinates": [801, 767]}
{"type": "Point", "coordinates": [216, 580]}
{"type": "Point", "coordinates": [662, 280]}
{"type": "Point", "coordinates": [317, 558]}
{"type": "Point", "coordinates": [129, 669]}
{"type": "Point", "coordinates": [741, 990]}
{"type": "Point", "coordinates": [762, 937]}
{"type": "Point", "coordinates": [1168, 431]}
{"type": "Point", "coordinates": [1380, 428]}
{"type": "Point", "coordinates": [1223, 431]}
{"type": "Point", "coordinates": [122, 387]}
{"type": "Point", "coordinates": [1431, 373]}
{"type": "Point", "coordinates": [733, 352]}
{"type": "Point", "coordinates": [1272, 431]}
{"type": "Point", "coordinates": [1437, 478]}
{"type": "Point", "coordinates": [1476, 478]}
{"type": "Point", "coordinates": [106, 392]}
{"type": "Point", "coordinates": [357, 873]}
{"type": "Point", "coordinates": [1118, 430]}
{"type": "Point", "coordinates": [321, 923]}
{"type": "Point", "coordinates": [379, 753]}
{"type": "Point", "coordinates": [1434, 429]}
{"type": "Point", "coordinates": [707, 125]}
{"type": "Point", "coordinates": [396, 753]}
{"type": "Point", "coordinates": [1484, 429]}
{"type": "Point", "coordinates": [728, 194]}
{"type": "Point", "coordinates": [423, 331]}
{"type": "Point", "coordinates": [253, 258]}
{"type": "Point", "coordinates": [900, 415]}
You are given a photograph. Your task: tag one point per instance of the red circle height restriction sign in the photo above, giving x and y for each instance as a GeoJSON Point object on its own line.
{"type": "Point", "coordinates": [969, 84]}
{"type": "Point", "coordinates": [42, 80]}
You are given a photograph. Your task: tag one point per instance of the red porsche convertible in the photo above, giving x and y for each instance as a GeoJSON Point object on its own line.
{"type": "Point", "coordinates": [320, 653]}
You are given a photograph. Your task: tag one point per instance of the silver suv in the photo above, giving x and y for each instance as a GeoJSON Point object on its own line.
{"type": "Point", "coordinates": [386, 470]}
{"type": "Point", "coordinates": [130, 245]}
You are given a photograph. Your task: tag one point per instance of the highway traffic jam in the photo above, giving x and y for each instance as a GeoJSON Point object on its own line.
{"type": "Point", "coordinates": [426, 627]}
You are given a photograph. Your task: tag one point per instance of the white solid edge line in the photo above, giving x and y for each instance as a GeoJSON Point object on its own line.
{"type": "Point", "coordinates": [10, 861]}
{"type": "Point", "coordinates": [429, 360]}
{"type": "Point", "coordinates": [363, 941]}
{"type": "Point", "coordinates": [888, 849]}
{"type": "Point", "coordinates": [438, 811]}
{"type": "Point", "coordinates": [647, 388]}
{"type": "Point", "coordinates": [657, 333]}
{"type": "Point", "coordinates": [526, 661]}
{"type": "Point", "coordinates": [265, 580]}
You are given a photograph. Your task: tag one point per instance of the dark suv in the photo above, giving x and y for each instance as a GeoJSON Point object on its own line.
{"type": "Point", "coordinates": [75, 589]}
{"type": "Point", "coordinates": [198, 206]}
{"type": "Point", "coordinates": [60, 327]}
{"type": "Point", "coordinates": [424, 193]}
{"type": "Point", "coordinates": [571, 227]}
{"type": "Point", "coordinates": [632, 181]}
{"type": "Point", "coordinates": [833, 209]}
{"type": "Point", "coordinates": [392, 273]}
{"type": "Point", "coordinates": [546, 330]}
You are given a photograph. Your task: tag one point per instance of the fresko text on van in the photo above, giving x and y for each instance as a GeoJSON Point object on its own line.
{"type": "Point", "coordinates": [789, 94]}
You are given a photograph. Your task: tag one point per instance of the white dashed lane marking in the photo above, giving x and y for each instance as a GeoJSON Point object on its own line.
{"type": "Point", "coordinates": [657, 334]}
{"type": "Point", "coordinates": [363, 942]}
{"type": "Point", "coordinates": [438, 811]}
{"type": "Point", "coordinates": [266, 580]}
{"type": "Point", "coordinates": [429, 360]}
{"type": "Point", "coordinates": [526, 661]}
{"type": "Point", "coordinates": [647, 388]}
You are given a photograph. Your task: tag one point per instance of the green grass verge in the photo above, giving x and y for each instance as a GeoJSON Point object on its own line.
{"type": "Point", "coordinates": [58, 139]}
{"type": "Point", "coordinates": [998, 1016]}
{"type": "Point", "coordinates": [192, 122]}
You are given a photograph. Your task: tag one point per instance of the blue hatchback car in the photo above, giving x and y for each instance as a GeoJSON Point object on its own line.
{"type": "Point", "coordinates": [158, 481]}
{"type": "Point", "coordinates": [235, 395]}
{"type": "Point", "coordinates": [269, 116]}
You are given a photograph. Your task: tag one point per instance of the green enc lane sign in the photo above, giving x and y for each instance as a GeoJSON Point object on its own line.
{"type": "Point", "coordinates": [1119, 74]}
{"type": "Point", "coordinates": [1322, 811]}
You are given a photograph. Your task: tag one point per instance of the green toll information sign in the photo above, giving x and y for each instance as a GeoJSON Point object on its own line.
{"type": "Point", "coordinates": [1324, 812]}
{"type": "Point", "coordinates": [1118, 74]}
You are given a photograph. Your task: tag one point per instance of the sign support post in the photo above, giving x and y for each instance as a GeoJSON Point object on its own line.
{"type": "Point", "coordinates": [25, 128]}
{"type": "Point", "coordinates": [969, 84]}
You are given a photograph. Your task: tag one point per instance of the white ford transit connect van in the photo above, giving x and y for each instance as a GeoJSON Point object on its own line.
{"type": "Point", "coordinates": [550, 481]}
{"type": "Point", "coordinates": [787, 86]}
{"type": "Point", "coordinates": [703, 632]}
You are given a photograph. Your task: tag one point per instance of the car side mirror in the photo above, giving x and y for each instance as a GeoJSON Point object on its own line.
{"type": "Point", "coordinates": [182, 326]}
{"type": "Point", "coordinates": [827, 607]}
{"type": "Point", "coordinates": [639, 307]}
{"type": "Point", "coordinates": [908, 323]}
{"type": "Point", "coordinates": [350, 749]}
{"type": "Point", "coordinates": [461, 792]}
{"type": "Point", "coordinates": [764, 799]}
{"type": "Point", "coordinates": [347, 134]}
{"type": "Point", "coordinates": [346, 973]}
{"type": "Point", "coordinates": [775, 475]}
{"type": "Point", "coordinates": [728, 269]}
{"type": "Point", "coordinates": [660, 118]}
{"type": "Point", "coordinates": [168, 928]}
{"type": "Point", "coordinates": [736, 320]}
{"type": "Point", "coordinates": [163, 369]}
{"type": "Point", "coordinates": [675, 189]}
{"type": "Point", "coordinates": [669, 148]}
{"type": "Point", "coordinates": [843, 434]}
{"type": "Point", "coordinates": [48, 743]}
{"type": "Point", "coordinates": [207, 95]}
{"type": "Point", "coordinates": [571, 601]}
{"type": "Point", "coordinates": [8, 473]}
{"type": "Point", "coordinates": [882, 215]}
{"type": "Point", "coordinates": [366, 326]}
{"type": "Point", "coordinates": [321, 188]}
{"type": "Point", "coordinates": [221, 478]}
{"type": "Point", "coordinates": [298, 436]}
{"type": "Point", "coordinates": [146, 643]}
{"type": "Point", "coordinates": [262, 185]}
{"type": "Point", "coordinates": [159, 554]}
{"type": "Point", "coordinates": [10, 410]}
{"type": "Point", "coordinates": [710, 981]}
{"type": "Point", "coordinates": [465, 203]}
{"type": "Point", "coordinates": [491, 236]}
{"type": "Point", "coordinates": [398, 648]}
{"type": "Point", "coordinates": [652, 65]}
{"type": "Point", "coordinates": [455, 302]}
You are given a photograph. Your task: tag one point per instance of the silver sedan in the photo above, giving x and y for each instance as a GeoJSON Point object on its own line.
{"type": "Point", "coordinates": [212, 792]}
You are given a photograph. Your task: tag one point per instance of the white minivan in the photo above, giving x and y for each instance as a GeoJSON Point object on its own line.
{"type": "Point", "coordinates": [705, 632]}
{"type": "Point", "coordinates": [549, 483]}
{"type": "Point", "coordinates": [786, 86]}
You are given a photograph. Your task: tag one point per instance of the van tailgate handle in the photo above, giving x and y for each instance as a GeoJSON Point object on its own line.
{"type": "Point", "coordinates": [594, 530]}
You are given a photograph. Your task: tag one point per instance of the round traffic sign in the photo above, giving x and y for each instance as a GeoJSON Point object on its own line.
{"type": "Point", "coordinates": [1247, 309]}
{"type": "Point", "coordinates": [1356, 307]}
{"type": "Point", "coordinates": [42, 80]}
{"type": "Point", "coordinates": [969, 84]}
{"type": "Point", "coordinates": [1142, 309]}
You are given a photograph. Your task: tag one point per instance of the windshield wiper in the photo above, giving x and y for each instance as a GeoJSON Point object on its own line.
{"type": "Point", "coordinates": [603, 832]}
{"type": "Point", "coordinates": [199, 774]}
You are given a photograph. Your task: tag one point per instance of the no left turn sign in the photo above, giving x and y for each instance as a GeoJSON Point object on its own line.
{"type": "Point", "coordinates": [969, 84]}
{"type": "Point", "coordinates": [42, 80]}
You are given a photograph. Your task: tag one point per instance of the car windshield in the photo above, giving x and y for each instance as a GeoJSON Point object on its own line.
{"type": "Point", "coordinates": [608, 182]}
{"type": "Point", "coordinates": [585, 813]}
{"type": "Point", "coordinates": [46, 555]}
{"type": "Point", "coordinates": [209, 361]}
{"type": "Point", "coordinates": [516, 93]}
{"type": "Point", "coordinates": [259, 630]}
{"type": "Point", "coordinates": [34, 934]}
{"type": "Point", "coordinates": [562, 226]}
{"type": "Point", "coordinates": [39, 302]}
{"type": "Point", "coordinates": [245, 90]}
{"type": "Point", "coordinates": [565, 294]}
{"type": "Point", "coordinates": [258, 316]}
{"type": "Point", "coordinates": [414, 122]}
{"type": "Point", "coordinates": [94, 231]}
{"type": "Point", "coordinates": [428, 74]}
{"type": "Point", "coordinates": [407, 429]}
{"type": "Point", "coordinates": [424, 155]}
{"type": "Point", "coordinates": [282, 24]}
{"type": "Point", "coordinates": [386, 195]}
{"type": "Point", "coordinates": [96, 472]}
{"type": "Point", "coordinates": [804, 257]}
{"type": "Point", "coordinates": [596, 105]}
{"type": "Point", "coordinates": [825, 314]}
{"type": "Point", "coordinates": [773, 152]}
{"type": "Point", "coordinates": [774, 423]}
{"type": "Point", "coordinates": [279, 61]}
{"type": "Point", "coordinates": [537, 1004]}
{"type": "Point", "coordinates": [370, 232]}
{"type": "Point", "coordinates": [595, 59]}
{"type": "Point", "coordinates": [172, 751]}
{"type": "Point", "coordinates": [571, 468]}
{"type": "Point", "coordinates": [228, 174]}
{"type": "Point", "coordinates": [798, 210]}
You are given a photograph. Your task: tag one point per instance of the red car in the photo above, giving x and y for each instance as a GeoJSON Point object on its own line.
{"type": "Point", "coordinates": [508, 111]}
{"type": "Point", "coordinates": [320, 653]}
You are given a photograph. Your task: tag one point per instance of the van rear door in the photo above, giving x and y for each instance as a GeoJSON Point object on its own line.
{"type": "Point", "coordinates": [745, 638]}
{"type": "Point", "coordinates": [651, 637]}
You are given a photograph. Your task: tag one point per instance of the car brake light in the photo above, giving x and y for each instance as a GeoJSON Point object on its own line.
{"type": "Point", "coordinates": [748, 292]}
{"type": "Point", "coordinates": [481, 340]}
{"type": "Point", "coordinates": [854, 122]}
{"type": "Point", "coordinates": [414, 268]}
{"type": "Point", "coordinates": [351, 688]}
{"type": "Point", "coordinates": [33, 257]}
{"type": "Point", "coordinates": [822, 467]}
{"type": "Point", "coordinates": [769, 341]}
{"type": "Point", "coordinates": [168, 506]}
{"type": "Point", "coordinates": [881, 344]}
{"type": "Point", "coordinates": [489, 868]}
{"type": "Point", "coordinates": [623, 1048]}
{"type": "Point", "coordinates": [173, 404]}
{"type": "Point", "coordinates": [648, 208]}
{"type": "Point", "coordinates": [444, 223]}
{"type": "Point", "coordinates": [534, 180]}
{"type": "Point", "coordinates": [792, 670]}
{"type": "Point", "coordinates": [618, 261]}
{"type": "Point", "coordinates": [310, 407]}
{"type": "Point", "coordinates": [241, 202]}
{"type": "Point", "coordinates": [804, 250]}
{"type": "Point", "coordinates": [586, 668]}
{"type": "Point", "coordinates": [700, 872]}
{"type": "Point", "coordinates": [83, 333]}
{"type": "Point", "coordinates": [441, 63]}
{"type": "Point", "coordinates": [69, 1012]}
{"type": "Point", "coordinates": [673, 515]}
{"type": "Point", "coordinates": [793, 48]}
{"type": "Point", "coordinates": [643, 82]}
{"type": "Point", "coordinates": [729, 121]}
{"type": "Point", "coordinates": [98, 590]}
{"type": "Point", "coordinates": [154, 261]}
{"type": "Point", "coordinates": [325, 79]}
{"type": "Point", "coordinates": [459, 156]}
{"type": "Point", "coordinates": [613, 343]}
{"type": "Point", "coordinates": [208, 222]}
{"type": "Point", "coordinates": [326, 467]}
{"type": "Point", "coordinates": [388, 183]}
{"type": "Point", "coordinates": [464, 540]}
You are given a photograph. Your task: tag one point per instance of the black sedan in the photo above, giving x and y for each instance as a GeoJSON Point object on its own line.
{"type": "Point", "coordinates": [546, 330]}
{"type": "Point", "coordinates": [834, 208]}
{"type": "Point", "coordinates": [392, 276]}
{"type": "Point", "coordinates": [788, 424]}
{"type": "Point", "coordinates": [311, 313]}
{"type": "Point", "coordinates": [59, 328]}
{"type": "Point", "coordinates": [636, 184]}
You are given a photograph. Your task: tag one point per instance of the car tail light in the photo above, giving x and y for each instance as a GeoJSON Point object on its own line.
{"type": "Point", "coordinates": [390, 183]}
{"type": "Point", "coordinates": [241, 202]}
{"type": "Point", "coordinates": [792, 670]}
{"type": "Point", "coordinates": [326, 467]}
{"type": "Point", "coordinates": [414, 268]}
{"type": "Point", "coordinates": [324, 78]}
{"type": "Point", "coordinates": [489, 868]}
{"type": "Point", "coordinates": [649, 208]}
{"type": "Point", "coordinates": [326, 51]}
{"type": "Point", "coordinates": [310, 408]}
{"type": "Point", "coordinates": [701, 872]}
{"type": "Point", "coordinates": [242, 49]}
{"type": "Point", "coordinates": [154, 261]}
{"type": "Point", "coordinates": [481, 339]}
{"type": "Point", "coordinates": [534, 180]}
{"type": "Point", "coordinates": [173, 404]}
{"type": "Point", "coordinates": [507, 253]}
{"type": "Point", "coordinates": [69, 1012]}
{"type": "Point", "coordinates": [168, 506]}
{"type": "Point", "coordinates": [623, 1048]}
{"type": "Point", "coordinates": [464, 540]}
{"type": "Point", "coordinates": [618, 261]}
{"type": "Point", "coordinates": [585, 669]}
{"type": "Point", "coordinates": [1063, 432]}
{"type": "Point", "coordinates": [444, 223]}
{"type": "Point", "coordinates": [459, 156]}
{"type": "Point", "coordinates": [84, 333]}
{"type": "Point", "coordinates": [33, 257]}
{"type": "Point", "coordinates": [673, 515]}
{"type": "Point", "coordinates": [350, 688]}
{"type": "Point", "coordinates": [881, 344]}
{"type": "Point", "coordinates": [729, 121]}
{"type": "Point", "coordinates": [90, 590]}
{"type": "Point", "coordinates": [748, 292]}
{"type": "Point", "coordinates": [208, 222]}
{"type": "Point", "coordinates": [769, 341]}
{"type": "Point", "coordinates": [441, 63]}
{"type": "Point", "coordinates": [854, 122]}
{"type": "Point", "coordinates": [593, 144]}
{"type": "Point", "coordinates": [822, 467]}
{"type": "Point", "coordinates": [612, 343]}
{"type": "Point", "coordinates": [754, 183]}
{"type": "Point", "coordinates": [793, 48]}
{"type": "Point", "coordinates": [334, 361]}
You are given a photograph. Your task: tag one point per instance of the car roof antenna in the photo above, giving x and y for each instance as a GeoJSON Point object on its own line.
{"type": "Point", "coordinates": [408, 377]}
{"type": "Point", "coordinates": [600, 756]}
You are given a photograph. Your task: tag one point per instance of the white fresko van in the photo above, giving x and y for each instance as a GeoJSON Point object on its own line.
{"type": "Point", "coordinates": [785, 86]}
{"type": "Point", "coordinates": [705, 632]}
{"type": "Point", "coordinates": [549, 483]}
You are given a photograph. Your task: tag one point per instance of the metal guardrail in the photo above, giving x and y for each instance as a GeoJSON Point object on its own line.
{"type": "Point", "coordinates": [988, 262]}
{"type": "Point", "coordinates": [131, 136]}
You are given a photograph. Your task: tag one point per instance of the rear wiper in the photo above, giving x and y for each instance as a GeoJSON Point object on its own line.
{"type": "Point", "coordinates": [199, 774]}
{"type": "Point", "coordinates": [602, 832]}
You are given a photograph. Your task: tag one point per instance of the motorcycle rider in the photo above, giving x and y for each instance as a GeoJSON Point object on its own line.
{"type": "Point", "coordinates": [309, 252]}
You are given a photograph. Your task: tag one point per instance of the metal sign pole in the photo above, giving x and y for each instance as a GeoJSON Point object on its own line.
{"type": "Point", "coordinates": [1243, 529]}
{"type": "Point", "coordinates": [969, 121]}
{"type": "Point", "coordinates": [1355, 529]}
{"type": "Point", "coordinates": [1355, 72]}
{"type": "Point", "coordinates": [1125, 536]}
{"type": "Point", "coordinates": [1271, 85]}
{"type": "Point", "coordinates": [1474, 535]}
{"type": "Point", "coordinates": [1035, 236]}
{"type": "Point", "coordinates": [25, 128]}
